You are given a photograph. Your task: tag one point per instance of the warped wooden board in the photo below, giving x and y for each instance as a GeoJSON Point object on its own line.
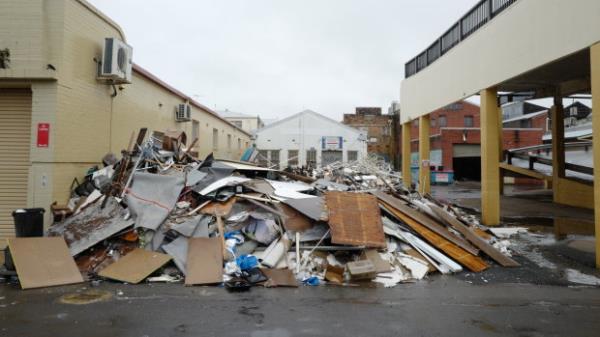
{"type": "Point", "coordinates": [473, 262]}
{"type": "Point", "coordinates": [295, 220]}
{"type": "Point", "coordinates": [474, 238]}
{"type": "Point", "coordinates": [135, 266]}
{"type": "Point", "coordinates": [355, 219]}
{"type": "Point", "coordinates": [43, 262]}
{"type": "Point", "coordinates": [219, 208]}
{"type": "Point", "coordinates": [426, 221]}
{"type": "Point", "coordinates": [204, 261]}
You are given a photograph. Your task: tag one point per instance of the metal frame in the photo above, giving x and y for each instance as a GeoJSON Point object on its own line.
{"type": "Point", "coordinates": [483, 12]}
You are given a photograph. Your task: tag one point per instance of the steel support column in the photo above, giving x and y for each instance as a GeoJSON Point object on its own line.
{"type": "Point", "coordinates": [424, 152]}
{"type": "Point", "coordinates": [406, 155]}
{"type": "Point", "coordinates": [491, 130]}
{"type": "Point", "coordinates": [558, 144]}
{"type": "Point", "coordinates": [595, 79]}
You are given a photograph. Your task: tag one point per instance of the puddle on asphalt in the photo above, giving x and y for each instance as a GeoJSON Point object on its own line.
{"type": "Point", "coordinates": [85, 297]}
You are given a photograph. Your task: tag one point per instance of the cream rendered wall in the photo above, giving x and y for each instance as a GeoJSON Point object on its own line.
{"type": "Point", "coordinates": [527, 35]}
{"type": "Point", "coordinates": [86, 122]}
{"type": "Point", "coordinates": [31, 30]}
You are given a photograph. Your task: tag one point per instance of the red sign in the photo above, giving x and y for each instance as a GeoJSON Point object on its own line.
{"type": "Point", "coordinates": [43, 134]}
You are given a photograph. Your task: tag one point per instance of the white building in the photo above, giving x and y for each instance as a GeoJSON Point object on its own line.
{"type": "Point", "coordinates": [245, 122]}
{"type": "Point", "coordinates": [309, 139]}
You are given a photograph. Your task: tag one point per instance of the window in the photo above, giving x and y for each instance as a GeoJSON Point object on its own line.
{"type": "Point", "coordinates": [311, 158]}
{"type": "Point", "coordinates": [229, 142]}
{"type": "Point", "coordinates": [215, 139]}
{"type": "Point", "coordinates": [292, 158]}
{"type": "Point", "coordinates": [573, 111]}
{"type": "Point", "coordinates": [274, 159]}
{"type": "Point", "coordinates": [352, 156]}
{"type": "Point", "coordinates": [469, 121]}
{"type": "Point", "coordinates": [239, 144]}
{"type": "Point", "coordinates": [443, 121]}
{"type": "Point", "coordinates": [433, 122]}
{"type": "Point", "coordinates": [237, 123]}
{"type": "Point", "coordinates": [525, 124]}
{"type": "Point", "coordinates": [454, 107]}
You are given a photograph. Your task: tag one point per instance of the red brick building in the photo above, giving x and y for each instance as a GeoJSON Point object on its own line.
{"type": "Point", "coordinates": [380, 129]}
{"type": "Point", "coordinates": [456, 142]}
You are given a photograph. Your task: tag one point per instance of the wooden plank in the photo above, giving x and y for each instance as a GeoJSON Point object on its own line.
{"type": "Point", "coordinates": [426, 221]}
{"type": "Point", "coordinates": [474, 263]}
{"type": "Point", "coordinates": [43, 262]}
{"type": "Point", "coordinates": [474, 238]}
{"type": "Point", "coordinates": [280, 278]}
{"type": "Point", "coordinates": [525, 172]}
{"type": "Point", "coordinates": [294, 221]}
{"type": "Point", "coordinates": [355, 219]}
{"type": "Point", "coordinates": [135, 266]}
{"type": "Point", "coordinates": [204, 261]}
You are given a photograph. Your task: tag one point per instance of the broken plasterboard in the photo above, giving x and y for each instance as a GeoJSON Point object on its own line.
{"type": "Point", "coordinates": [227, 181]}
{"type": "Point", "coordinates": [313, 208]}
{"type": "Point", "coordinates": [204, 261]}
{"type": "Point", "coordinates": [43, 262]}
{"type": "Point", "coordinates": [152, 197]}
{"type": "Point", "coordinates": [355, 219]}
{"type": "Point", "coordinates": [94, 224]}
{"type": "Point", "coordinates": [135, 266]}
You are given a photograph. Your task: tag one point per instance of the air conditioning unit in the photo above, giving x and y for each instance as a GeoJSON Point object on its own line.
{"type": "Point", "coordinates": [183, 113]}
{"type": "Point", "coordinates": [116, 61]}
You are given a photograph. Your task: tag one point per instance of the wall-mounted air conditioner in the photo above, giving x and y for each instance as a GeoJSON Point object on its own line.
{"type": "Point", "coordinates": [183, 113]}
{"type": "Point", "coordinates": [116, 61]}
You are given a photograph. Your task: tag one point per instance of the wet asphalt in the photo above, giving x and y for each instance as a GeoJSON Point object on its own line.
{"type": "Point", "coordinates": [440, 306]}
{"type": "Point", "coordinates": [555, 292]}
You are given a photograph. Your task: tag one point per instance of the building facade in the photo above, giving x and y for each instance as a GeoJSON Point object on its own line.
{"type": "Point", "coordinates": [456, 140]}
{"type": "Point", "coordinates": [380, 130]}
{"type": "Point", "coordinates": [245, 122]}
{"type": "Point", "coordinates": [57, 119]}
{"type": "Point", "coordinates": [308, 139]}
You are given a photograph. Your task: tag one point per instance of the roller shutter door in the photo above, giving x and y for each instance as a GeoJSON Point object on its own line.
{"type": "Point", "coordinates": [15, 131]}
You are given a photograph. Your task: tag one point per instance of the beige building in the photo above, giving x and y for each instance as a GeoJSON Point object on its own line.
{"type": "Point", "coordinates": [57, 119]}
{"type": "Point", "coordinates": [246, 122]}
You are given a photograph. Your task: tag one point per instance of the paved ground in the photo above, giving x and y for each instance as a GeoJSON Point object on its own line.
{"type": "Point", "coordinates": [556, 292]}
{"type": "Point", "coordinates": [444, 306]}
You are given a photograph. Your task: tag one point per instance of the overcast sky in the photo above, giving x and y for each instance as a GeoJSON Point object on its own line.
{"type": "Point", "coordinates": [277, 57]}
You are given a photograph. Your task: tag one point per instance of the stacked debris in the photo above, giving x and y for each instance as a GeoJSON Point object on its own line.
{"type": "Point", "coordinates": [159, 214]}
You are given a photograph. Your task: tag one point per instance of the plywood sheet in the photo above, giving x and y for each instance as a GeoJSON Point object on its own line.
{"type": "Point", "coordinates": [205, 261]}
{"type": "Point", "coordinates": [43, 262]}
{"type": "Point", "coordinates": [295, 220]}
{"type": "Point", "coordinates": [355, 219]}
{"type": "Point", "coordinates": [280, 277]}
{"type": "Point", "coordinates": [135, 266]}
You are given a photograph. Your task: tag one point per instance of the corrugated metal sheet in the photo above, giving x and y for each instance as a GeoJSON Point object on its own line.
{"type": "Point", "coordinates": [15, 126]}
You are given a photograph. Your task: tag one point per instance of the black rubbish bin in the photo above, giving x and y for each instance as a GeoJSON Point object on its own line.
{"type": "Point", "coordinates": [29, 222]}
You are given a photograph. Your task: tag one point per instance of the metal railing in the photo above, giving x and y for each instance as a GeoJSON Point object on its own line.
{"type": "Point", "coordinates": [482, 13]}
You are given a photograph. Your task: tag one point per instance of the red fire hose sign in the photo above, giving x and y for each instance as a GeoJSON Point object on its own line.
{"type": "Point", "coordinates": [43, 134]}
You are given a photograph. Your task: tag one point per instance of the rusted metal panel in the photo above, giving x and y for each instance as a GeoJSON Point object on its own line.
{"type": "Point", "coordinates": [355, 219]}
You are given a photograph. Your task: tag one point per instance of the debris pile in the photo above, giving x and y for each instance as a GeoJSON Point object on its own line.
{"type": "Point", "coordinates": [161, 215]}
